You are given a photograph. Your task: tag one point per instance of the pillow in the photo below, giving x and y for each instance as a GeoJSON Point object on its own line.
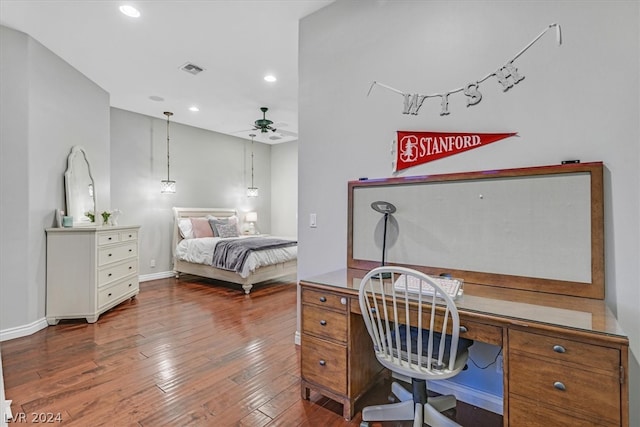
{"type": "Point", "coordinates": [201, 227]}
{"type": "Point", "coordinates": [185, 228]}
{"type": "Point", "coordinates": [231, 220]}
{"type": "Point", "coordinates": [226, 230]}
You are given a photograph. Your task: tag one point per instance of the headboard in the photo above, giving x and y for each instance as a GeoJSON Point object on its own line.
{"type": "Point", "coordinates": [538, 228]}
{"type": "Point", "coordinates": [180, 213]}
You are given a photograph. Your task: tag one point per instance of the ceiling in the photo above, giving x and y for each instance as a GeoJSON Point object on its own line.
{"type": "Point", "coordinates": [138, 61]}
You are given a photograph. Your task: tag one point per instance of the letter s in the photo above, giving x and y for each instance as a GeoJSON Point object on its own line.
{"type": "Point", "coordinates": [474, 95]}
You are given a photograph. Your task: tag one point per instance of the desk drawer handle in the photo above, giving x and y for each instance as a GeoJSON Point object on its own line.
{"type": "Point", "coordinates": [559, 386]}
{"type": "Point", "coordinates": [559, 349]}
{"type": "Point", "coordinates": [323, 322]}
{"type": "Point", "coordinates": [322, 362]}
{"type": "Point", "coordinates": [323, 299]}
{"type": "Point", "coordinates": [343, 301]}
{"type": "Point", "coordinates": [463, 329]}
{"type": "Point", "coordinates": [109, 294]}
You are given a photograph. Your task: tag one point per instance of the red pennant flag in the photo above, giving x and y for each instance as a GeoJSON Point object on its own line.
{"type": "Point", "coordinates": [415, 148]}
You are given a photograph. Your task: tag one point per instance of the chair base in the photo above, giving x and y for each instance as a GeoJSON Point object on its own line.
{"type": "Point", "coordinates": [421, 413]}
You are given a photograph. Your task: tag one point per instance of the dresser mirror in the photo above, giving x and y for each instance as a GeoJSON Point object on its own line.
{"type": "Point", "coordinates": [79, 187]}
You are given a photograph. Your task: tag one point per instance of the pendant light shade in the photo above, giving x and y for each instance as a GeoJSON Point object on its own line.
{"type": "Point", "coordinates": [252, 191]}
{"type": "Point", "coordinates": [167, 185]}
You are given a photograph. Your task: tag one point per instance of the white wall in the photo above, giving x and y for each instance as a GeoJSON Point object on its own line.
{"type": "Point", "coordinates": [284, 189]}
{"type": "Point", "coordinates": [46, 108]}
{"type": "Point", "coordinates": [577, 101]}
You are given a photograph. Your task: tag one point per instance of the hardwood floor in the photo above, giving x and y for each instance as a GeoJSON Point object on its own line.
{"type": "Point", "coordinates": [191, 352]}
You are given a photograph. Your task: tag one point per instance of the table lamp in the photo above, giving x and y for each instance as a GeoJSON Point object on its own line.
{"type": "Point", "coordinates": [386, 209]}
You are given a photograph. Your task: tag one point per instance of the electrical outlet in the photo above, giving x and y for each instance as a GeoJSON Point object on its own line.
{"type": "Point", "coordinates": [499, 363]}
{"type": "Point", "coordinates": [152, 263]}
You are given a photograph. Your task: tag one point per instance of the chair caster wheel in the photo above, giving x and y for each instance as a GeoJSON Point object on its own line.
{"type": "Point", "coordinates": [364, 424]}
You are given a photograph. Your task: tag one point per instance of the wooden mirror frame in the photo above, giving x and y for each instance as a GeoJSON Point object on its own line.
{"type": "Point", "coordinates": [594, 289]}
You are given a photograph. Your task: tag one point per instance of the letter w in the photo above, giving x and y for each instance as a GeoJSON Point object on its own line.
{"type": "Point", "coordinates": [412, 103]}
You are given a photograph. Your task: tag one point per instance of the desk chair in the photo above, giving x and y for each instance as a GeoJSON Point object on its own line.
{"type": "Point", "coordinates": [420, 352]}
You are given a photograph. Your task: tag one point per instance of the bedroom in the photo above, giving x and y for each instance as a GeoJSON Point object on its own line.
{"type": "Point", "coordinates": [583, 126]}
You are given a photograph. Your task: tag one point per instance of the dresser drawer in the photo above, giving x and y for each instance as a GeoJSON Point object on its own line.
{"type": "Point", "coordinates": [116, 272]}
{"type": "Point", "coordinates": [324, 299]}
{"type": "Point", "coordinates": [521, 410]}
{"type": "Point", "coordinates": [107, 238]}
{"type": "Point", "coordinates": [117, 253]}
{"type": "Point", "coordinates": [565, 351]}
{"type": "Point", "coordinates": [324, 363]}
{"type": "Point", "coordinates": [128, 235]}
{"type": "Point", "coordinates": [324, 323]}
{"type": "Point", "coordinates": [586, 391]}
{"type": "Point", "coordinates": [116, 292]}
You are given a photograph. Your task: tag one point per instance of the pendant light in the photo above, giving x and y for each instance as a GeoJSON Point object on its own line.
{"type": "Point", "coordinates": [252, 191]}
{"type": "Point", "coordinates": [166, 185]}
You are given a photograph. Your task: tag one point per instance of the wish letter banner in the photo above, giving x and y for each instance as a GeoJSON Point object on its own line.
{"type": "Point", "coordinates": [415, 148]}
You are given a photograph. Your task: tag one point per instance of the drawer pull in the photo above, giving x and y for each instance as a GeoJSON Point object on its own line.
{"type": "Point", "coordinates": [130, 284]}
{"type": "Point", "coordinates": [109, 275]}
{"type": "Point", "coordinates": [129, 235]}
{"type": "Point", "coordinates": [130, 267]}
{"type": "Point", "coordinates": [109, 254]}
{"type": "Point", "coordinates": [130, 250]}
{"type": "Point", "coordinates": [559, 386]}
{"type": "Point", "coordinates": [322, 362]}
{"type": "Point", "coordinates": [323, 299]}
{"type": "Point", "coordinates": [323, 322]}
{"type": "Point", "coordinates": [343, 301]}
{"type": "Point", "coordinates": [559, 349]}
{"type": "Point", "coordinates": [109, 238]}
{"type": "Point", "coordinates": [463, 329]}
{"type": "Point", "coordinates": [109, 294]}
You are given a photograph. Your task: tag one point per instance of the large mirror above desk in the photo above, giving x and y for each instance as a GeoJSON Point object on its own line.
{"type": "Point", "coordinates": [538, 228]}
{"type": "Point", "coordinates": [79, 187]}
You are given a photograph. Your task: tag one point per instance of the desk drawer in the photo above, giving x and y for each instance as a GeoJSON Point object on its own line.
{"type": "Point", "coordinates": [324, 363]}
{"type": "Point", "coordinates": [324, 299]}
{"type": "Point", "coordinates": [324, 323]}
{"type": "Point", "coordinates": [565, 351]}
{"type": "Point", "coordinates": [521, 410]}
{"type": "Point", "coordinates": [589, 392]}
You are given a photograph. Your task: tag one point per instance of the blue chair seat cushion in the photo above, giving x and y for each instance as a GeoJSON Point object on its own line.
{"type": "Point", "coordinates": [463, 343]}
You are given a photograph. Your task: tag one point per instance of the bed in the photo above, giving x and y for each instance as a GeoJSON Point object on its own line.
{"type": "Point", "coordinates": [195, 254]}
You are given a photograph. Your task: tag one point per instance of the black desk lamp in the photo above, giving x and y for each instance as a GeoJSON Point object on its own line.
{"type": "Point", "coordinates": [385, 208]}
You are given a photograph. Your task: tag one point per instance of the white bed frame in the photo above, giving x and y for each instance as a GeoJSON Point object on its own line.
{"type": "Point", "coordinates": [261, 274]}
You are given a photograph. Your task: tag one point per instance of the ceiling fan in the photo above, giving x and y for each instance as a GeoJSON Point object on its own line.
{"type": "Point", "coordinates": [263, 124]}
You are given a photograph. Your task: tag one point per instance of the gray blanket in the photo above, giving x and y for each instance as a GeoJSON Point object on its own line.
{"type": "Point", "coordinates": [232, 254]}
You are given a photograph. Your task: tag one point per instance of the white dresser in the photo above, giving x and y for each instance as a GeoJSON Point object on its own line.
{"type": "Point", "coordinates": [90, 270]}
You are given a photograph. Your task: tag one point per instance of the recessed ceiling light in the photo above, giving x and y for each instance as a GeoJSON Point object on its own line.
{"type": "Point", "coordinates": [194, 108]}
{"type": "Point", "coordinates": [130, 11]}
{"type": "Point", "coordinates": [156, 98]}
{"type": "Point", "coordinates": [270, 78]}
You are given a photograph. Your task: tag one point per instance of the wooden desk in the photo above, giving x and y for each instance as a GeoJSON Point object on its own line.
{"type": "Point", "coordinates": [565, 358]}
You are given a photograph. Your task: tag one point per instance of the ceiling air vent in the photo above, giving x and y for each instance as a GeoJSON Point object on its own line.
{"type": "Point", "coordinates": [191, 68]}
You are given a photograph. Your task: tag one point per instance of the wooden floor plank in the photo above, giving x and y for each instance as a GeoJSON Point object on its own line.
{"type": "Point", "coordinates": [188, 352]}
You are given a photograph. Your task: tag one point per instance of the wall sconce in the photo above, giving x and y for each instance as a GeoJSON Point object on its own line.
{"type": "Point", "coordinates": [166, 185]}
{"type": "Point", "coordinates": [251, 218]}
{"type": "Point", "coordinates": [252, 191]}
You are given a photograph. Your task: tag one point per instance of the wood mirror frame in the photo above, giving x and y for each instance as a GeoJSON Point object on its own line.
{"type": "Point", "coordinates": [589, 252]}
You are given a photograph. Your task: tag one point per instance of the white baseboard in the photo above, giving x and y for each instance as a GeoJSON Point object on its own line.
{"type": "Point", "coordinates": [463, 393]}
{"type": "Point", "coordinates": [23, 331]}
{"type": "Point", "coordinates": [156, 276]}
